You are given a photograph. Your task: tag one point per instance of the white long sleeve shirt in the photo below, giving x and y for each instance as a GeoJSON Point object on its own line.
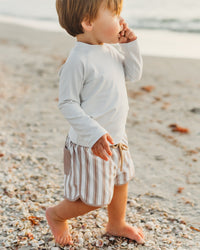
{"type": "Point", "coordinates": [92, 91]}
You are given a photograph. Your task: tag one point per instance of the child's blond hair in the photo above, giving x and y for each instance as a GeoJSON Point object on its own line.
{"type": "Point", "coordinates": [72, 12]}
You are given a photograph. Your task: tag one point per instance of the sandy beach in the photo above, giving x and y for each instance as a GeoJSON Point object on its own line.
{"type": "Point", "coordinates": [163, 128]}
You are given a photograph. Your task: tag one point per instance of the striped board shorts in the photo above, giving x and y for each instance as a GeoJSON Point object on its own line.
{"type": "Point", "coordinates": [92, 179]}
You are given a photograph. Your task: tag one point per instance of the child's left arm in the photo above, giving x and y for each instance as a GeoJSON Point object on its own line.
{"type": "Point", "coordinates": [132, 59]}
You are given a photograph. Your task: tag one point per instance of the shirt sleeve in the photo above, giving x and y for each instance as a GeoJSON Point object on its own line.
{"type": "Point", "coordinates": [132, 60]}
{"type": "Point", "coordinates": [70, 86]}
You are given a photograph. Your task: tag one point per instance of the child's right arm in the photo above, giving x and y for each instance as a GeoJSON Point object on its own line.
{"type": "Point", "coordinates": [71, 84]}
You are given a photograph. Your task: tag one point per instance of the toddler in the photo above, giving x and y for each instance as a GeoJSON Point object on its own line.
{"type": "Point", "coordinates": [93, 99]}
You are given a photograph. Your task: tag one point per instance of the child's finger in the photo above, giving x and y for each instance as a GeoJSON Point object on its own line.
{"type": "Point", "coordinates": [100, 152]}
{"type": "Point", "coordinates": [103, 155]}
{"type": "Point", "coordinates": [110, 139]}
{"type": "Point", "coordinates": [132, 36]}
{"type": "Point", "coordinates": [125, 26]}
{"type": "Point", "coordinates": [122, 33]}
{"type": "Point", "coordinates": [128, 33]}
{"type": "Point", "coordinates": [107, 149]}
{"type": "Point", "coordinates": [122, 39]}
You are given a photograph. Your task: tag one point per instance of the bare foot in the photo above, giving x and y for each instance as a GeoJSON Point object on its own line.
{"type": "Point", "coordinates": [127, 231]}
{"type": "Point", "coordinates": [58, 227]}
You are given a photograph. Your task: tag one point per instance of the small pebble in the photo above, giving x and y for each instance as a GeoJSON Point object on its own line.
{"type": "Point", "coordinates": [150, 225]}
{"type": "Point", "coordinates": [159, 157]}
{"type": "Point", "coordinates": [111, 238]}
{"type": "Point", "coordinates": [195, 110]}
{"type": "Point", "coordinates": [99, 243]}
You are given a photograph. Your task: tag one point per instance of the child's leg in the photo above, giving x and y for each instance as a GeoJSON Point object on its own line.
{"type": "Point", "coordinates": [116, 214]}
{"type": "Point", "coordinates": [58, 215]}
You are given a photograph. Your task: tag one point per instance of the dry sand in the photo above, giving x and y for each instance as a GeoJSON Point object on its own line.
{"type": "Point", "coordinates": [163, 198]}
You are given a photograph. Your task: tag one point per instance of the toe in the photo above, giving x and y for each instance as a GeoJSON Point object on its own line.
{"type": "Point", "coordinates": [139, 239]}
{"type": "Point", "coordinates": [62, 240]}
{"type": "Point", "coordinates": [68, 238]}
{"type": "Point", "coordinates": [57, 239]}
{"type": "Point", "coordinates": [140, 232]}
{"type": "Point", "coordinates": [65, 240]}
{"type": "Point", "coordinates": [139, 236]}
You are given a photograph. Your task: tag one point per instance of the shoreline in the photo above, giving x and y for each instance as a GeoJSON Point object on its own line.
{"type": "Point", "coordinates": [158, 43]}
{"type": "Point", "coordinates": [164, 195]}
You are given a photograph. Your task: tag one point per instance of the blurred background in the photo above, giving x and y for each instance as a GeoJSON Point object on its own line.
{"type": "Point", "coordinates": [166, 28]}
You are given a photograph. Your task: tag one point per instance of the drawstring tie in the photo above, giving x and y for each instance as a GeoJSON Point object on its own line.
{"type": "Point", "coordinates": [121, 147]}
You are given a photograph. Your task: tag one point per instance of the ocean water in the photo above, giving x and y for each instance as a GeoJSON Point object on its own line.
{"type": "Point", "coordinates": [176, 15]}
{"type": "Point", "coordinates": [169, 28]}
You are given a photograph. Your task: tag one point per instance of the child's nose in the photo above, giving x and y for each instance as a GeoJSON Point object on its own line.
{"type": "Point", "coordinates": [121, 20]}
{"type": "Point", "coordinates": [121, 23]}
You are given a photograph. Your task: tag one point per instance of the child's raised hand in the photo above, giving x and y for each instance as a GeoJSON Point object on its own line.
{"type": "Point", "coordinates": [126, 35]}
{"type": "Point", "coordinates": [101, 147]}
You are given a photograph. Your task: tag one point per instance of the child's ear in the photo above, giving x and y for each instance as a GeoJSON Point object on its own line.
{"type": "Point", "coordinates": [87, 24]}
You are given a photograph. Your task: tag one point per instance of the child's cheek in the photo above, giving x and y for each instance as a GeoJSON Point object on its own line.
{"type": "Point", "coordinates": [112, 30]}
